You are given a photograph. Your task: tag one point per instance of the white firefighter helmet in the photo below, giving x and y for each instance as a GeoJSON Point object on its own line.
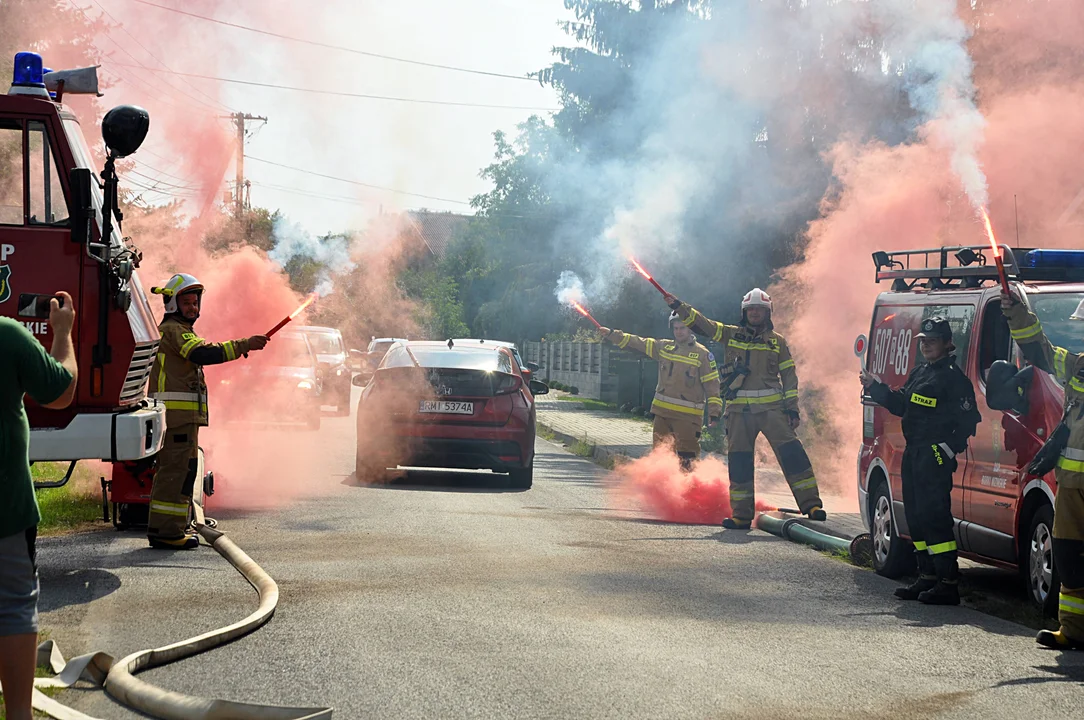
{"type": "Point", "coordinates": [756, 297]}
{"type": "Point", "coordinates": [674, 316]}
{"type": "Point", "coordinates": [1078, 314]}
{"type": "Point", "coordinates": [178, 285]}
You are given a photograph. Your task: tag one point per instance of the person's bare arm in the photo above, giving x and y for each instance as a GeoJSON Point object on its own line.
{"type": "Point", "coordinates": [63, 351]}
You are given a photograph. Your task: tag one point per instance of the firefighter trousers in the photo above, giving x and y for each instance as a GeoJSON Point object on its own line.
{"type": "Point", "coordinates": [927, 505]}
{"type": "Point", "coordinates": [171, 492]}
{"type": "Point", "coordinates": [685, 434]}
{"type": "Point", "coordinates": [742, 429]}
{"type": "Point", "coordinates": [1068, 548]}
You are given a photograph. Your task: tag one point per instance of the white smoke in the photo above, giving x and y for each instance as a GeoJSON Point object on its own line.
{"type": "Point", "coordinates": [570, 289]}
{"type": "Point", "coordinates": [293, 244]}
{"type": "Point", "coordinates": [926, 43]}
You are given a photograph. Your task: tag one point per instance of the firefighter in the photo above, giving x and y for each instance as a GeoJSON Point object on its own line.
{"type": "Point", "coordinates": [760, 386]}
{"type": "Point", "coordinates": [1068, 532]}
{"type": "Point", "coordinates": [177, 380]}
{"type": "Point", "coordinates": [937, 404]}
{"type": "Point", "coordinates": [688, 380]}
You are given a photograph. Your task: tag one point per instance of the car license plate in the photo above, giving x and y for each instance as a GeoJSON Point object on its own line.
{"type": "Point", "coordinates": [446, 407]}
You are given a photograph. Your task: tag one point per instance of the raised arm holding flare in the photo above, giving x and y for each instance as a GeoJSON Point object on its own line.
{"type": "Point", "coordinates": [760, 385]}
{"type": "Point", "coordinates": [688, 381]}
{"type": "Point", "coordinates": [1068, 532]}
{"type": "Point", "coordinates": [177, 380]}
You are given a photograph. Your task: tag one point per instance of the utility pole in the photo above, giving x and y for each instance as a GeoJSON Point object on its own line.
{"type": "Point", "coordinates": [239, 120]}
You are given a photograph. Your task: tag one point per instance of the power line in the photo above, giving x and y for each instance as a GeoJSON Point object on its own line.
{"type": "Point", "coordinates": [356, 182]}
{"type": "Point", "coordinates": [155, 57]}
{"type": "Point", "coordinates": [161, 182]}
{"type": "Point", "coordinates": [138, 63]}
{"type": "Point", "coordinates": [340, 93]}
{"type": "Point", "coordinates": [334, 47]}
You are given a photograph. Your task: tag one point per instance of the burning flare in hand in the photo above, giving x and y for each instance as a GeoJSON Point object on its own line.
{"type": "Point", "coordinates": [308, 301]}
{"type": "Point", "coordinates": [646, 274]}
{"type": "Point", "coordinates": [582, 311]}
{"type": "Point", "coordinates": [997, 250]}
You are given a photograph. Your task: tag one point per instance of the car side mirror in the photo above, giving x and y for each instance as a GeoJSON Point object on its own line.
{"type": "Point", "coordinates": [358, 381]}
{"type": "Point", "coordinates": [533, 367]}
{"type": "Point", "coordinates": [539, 388]}
{"type": "Point", "coordinates": [82, 210]}
{"type": "Point", "coordinates": [1007, 388]}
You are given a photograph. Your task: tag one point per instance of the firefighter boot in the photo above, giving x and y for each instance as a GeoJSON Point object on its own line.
{"type": "Point", "coordinates": [185, 542]}
{"type": "Point", "coordinates": [927, 578]}
{"type": "Point", "coordinates": [817, 513]}
{"type": "Point", "coordinates": [947, 589]}
{"type": "Point", "coordinates": [732, 524]}
{"type": "Point", "coordinates": [1058, 640]}
{"type": "Point", "coordinates": [686, 460]}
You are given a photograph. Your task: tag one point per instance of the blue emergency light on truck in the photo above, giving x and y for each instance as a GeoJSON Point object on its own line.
{"type": "Point", "coordinates": [1053, 260]}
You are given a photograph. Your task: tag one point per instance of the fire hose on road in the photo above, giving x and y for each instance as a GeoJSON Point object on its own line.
{"type": "Point", "coordinates": [792, 529]}
{"type": "Point", "coordinates": [118, 676]}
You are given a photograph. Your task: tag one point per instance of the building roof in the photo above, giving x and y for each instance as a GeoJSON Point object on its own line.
{"type": "Point", "coordinates": [437, 229]}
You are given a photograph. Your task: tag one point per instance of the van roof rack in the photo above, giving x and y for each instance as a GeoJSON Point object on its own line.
{"type": "Point", "coordinates": [967, 266]}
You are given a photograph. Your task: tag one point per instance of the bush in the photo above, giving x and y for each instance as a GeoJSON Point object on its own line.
{"type": "Point", "coordinates": [574, 390]}
{"type": "Point", "coordinates": [627, 407]}
{"type": "Point", "coordinates": [637, 410]}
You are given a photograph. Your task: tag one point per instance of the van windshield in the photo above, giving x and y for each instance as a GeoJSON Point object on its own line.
{"type": "Point", "coordinates": [1053, 310]}
{"type": "Point", "coordinates": [325, 343]}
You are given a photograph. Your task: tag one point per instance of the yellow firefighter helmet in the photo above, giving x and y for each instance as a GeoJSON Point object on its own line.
{"type": "Point", "coordinates": [178, 285]}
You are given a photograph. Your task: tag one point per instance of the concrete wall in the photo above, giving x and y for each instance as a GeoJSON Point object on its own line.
{"type": "Point", "coordinates": [600, 371]}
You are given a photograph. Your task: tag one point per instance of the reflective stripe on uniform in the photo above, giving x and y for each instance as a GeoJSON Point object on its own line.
{"type": "Point", "coordinates": [678, 405]}
{"type": "Point", "coordinates": [1070, 604]}
{"type": "Point", "coordinates": [719, 330]}
{"type": "Point", "coordinates": [923, 400]}
{"type": "Point", "coordinates": [752, 346]}
{"type": "Point", "coordinates": [1059, 363]}
{"type": "Point", "coordinates": [715, 400]}
{"type": "Point", "coordinates": [684, 359]}
{"type": "Point", "coordinates": [1076, 384]}
{"type": "Point", "coordinates": [777, 397]}
{"type": "Point", "coordinates": [176, 396]}
{"type": "Point", "coordinates": [161, 372]}
{"type": "Point", "coordinates": [741, 494]}
{"type": "Point", "coordinates": [184, 405]}
{"type": "Point", "coordinates": [947, 449]}
{"type": "Point", "coordinates": [786, 364]}
{"type": "Point", "coordinates": [920, 545]}
{"type": "Point", "coordinates": [790, 394]}
{"type": "Point", "coordinates": [766, 392]}
{"type": "Point", "coordinates": [713, 375]}
{"type": "Point", "coordinates": [190, 346]}
{"type": "Point", "coordinates": [689, 321]}
{"type": "Point", "coordinates": [649, 346]}
{"type": "Point", "coordinates": [1073, 454]}
{"type": "Point", "coordinates": [1071, 460]}
{"type": "Point", "coordinates": [940, 548]}
{"type": "Point", "coordinates": [230, 350]}
{"type": "Point", "coordinates": [180, 509]}
{"type": "Point", "coordinates": [1028, 332]}
{"type": "Point", "coordinates": [624, 341]}
{"type": "Point", "coordinates": [807, 484]}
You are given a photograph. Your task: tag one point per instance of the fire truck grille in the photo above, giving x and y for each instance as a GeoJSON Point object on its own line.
{"type": "Point", "coordinates": [135, 383]}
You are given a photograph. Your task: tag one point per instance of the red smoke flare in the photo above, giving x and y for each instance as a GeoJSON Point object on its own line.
{"type": "Point", "coordinates": [647, 276]}
{"type": "Point", "coordinates": [996, 249]}
{"type": "Point", "coordinates": [580, 309]}
{"type": "Point", "coordinates": [308, 301]}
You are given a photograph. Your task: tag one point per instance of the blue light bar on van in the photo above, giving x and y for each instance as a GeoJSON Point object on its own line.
{"type": "Point", "coordinates": [29, 71]}
{"type": "Point", "coordinates": [1053, 259]}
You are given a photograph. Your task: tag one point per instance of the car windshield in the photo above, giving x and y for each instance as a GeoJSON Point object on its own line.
{"type": "Point", "coordinates": [381, 347]}
{"type": "Point", "coordinates": [428, 356]}
{"type": "Point", "coordinates": [289, 351]}
{"type": "Point", "coordinates": [1053, 310]}
{"type": "Point", "coordinates": [325, 343]}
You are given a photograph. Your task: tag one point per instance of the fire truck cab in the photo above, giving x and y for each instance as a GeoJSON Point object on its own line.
{"type": "Point", "coordinates": [1003, 515]}
{"type": "Point", "coordinates": [59, 230]}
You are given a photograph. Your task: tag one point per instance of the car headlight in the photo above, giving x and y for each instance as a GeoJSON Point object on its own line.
{"type": "Point", "coordinates": [305, 385]}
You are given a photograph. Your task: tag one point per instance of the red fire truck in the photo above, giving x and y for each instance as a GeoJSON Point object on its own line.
{"type": "Point", "coordinates": [59, 230]}
{"type": "Point", "coordinates": [1003, 515]}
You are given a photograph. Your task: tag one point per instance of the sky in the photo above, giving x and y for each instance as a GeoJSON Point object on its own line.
{"type": "Point", "coordinates": [433, 150]}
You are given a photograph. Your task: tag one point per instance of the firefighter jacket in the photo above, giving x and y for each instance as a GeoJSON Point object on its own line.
{"type": "Point", "coordinates": [177, 373]}
{"type": "Point", "coordinates": [688, 377]}
{"type": "Point", "coordinates": [771, 382]}
{"type": "Point", "coordinates": [937, 404]}
{"type": "Point", "coordinates": [1068, 369]}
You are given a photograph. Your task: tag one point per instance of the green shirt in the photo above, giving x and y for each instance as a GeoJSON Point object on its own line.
{"type": "Point", "coordinates": [25, 367]}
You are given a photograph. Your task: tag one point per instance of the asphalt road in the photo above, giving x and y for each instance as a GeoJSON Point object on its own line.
{"type": "Point", "coordinates": [447, 595]}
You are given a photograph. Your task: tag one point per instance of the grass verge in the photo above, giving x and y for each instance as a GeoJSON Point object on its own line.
{"type": "Point", "coordinates": [75, 506]}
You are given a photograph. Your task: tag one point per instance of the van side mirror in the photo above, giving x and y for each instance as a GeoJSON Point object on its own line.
{"type": "Point", "coordinates": [1007, 388]}
{"type": "Point", "coordinates": [82, 208]}
{"type": "Point", "coordinates": [533, 367]}
{"type": "Point", "coordinates": [539, 388]}
{"type": "Point", "coordinates": [359, 381]}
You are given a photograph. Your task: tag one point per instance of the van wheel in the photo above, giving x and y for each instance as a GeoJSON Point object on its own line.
{"type": "Point", "coordinates": [1038, 566]}
{"type": "Point", "coordinates": [892, 555]}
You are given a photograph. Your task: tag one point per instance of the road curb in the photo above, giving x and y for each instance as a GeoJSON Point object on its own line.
{"type": "Point", "coordinates": [599, 455]}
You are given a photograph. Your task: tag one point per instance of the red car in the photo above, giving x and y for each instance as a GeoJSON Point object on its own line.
{"type": "Point", "coordinates": [448, 405]}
